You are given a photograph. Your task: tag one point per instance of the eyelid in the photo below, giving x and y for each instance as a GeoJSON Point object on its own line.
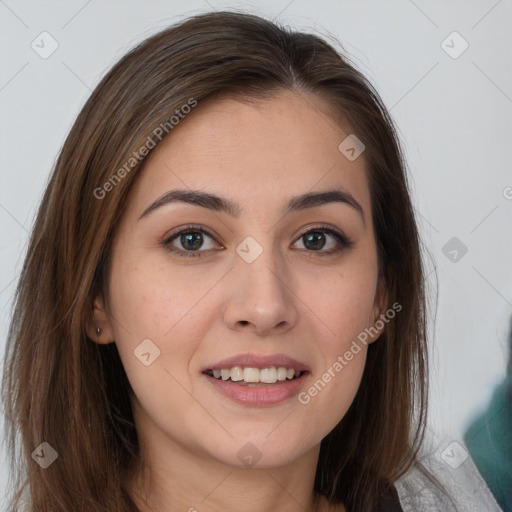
{"type": "Point", "coordinates": [185, 229]}
{"type": "Point", "coordinates": [320, 227]}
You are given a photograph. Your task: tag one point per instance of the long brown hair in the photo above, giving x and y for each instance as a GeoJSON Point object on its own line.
{"type": "Point", "coordinates": [62, 388]}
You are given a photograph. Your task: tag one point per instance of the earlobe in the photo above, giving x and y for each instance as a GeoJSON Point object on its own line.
{"type": "Point", "coordinates": [99, 326]}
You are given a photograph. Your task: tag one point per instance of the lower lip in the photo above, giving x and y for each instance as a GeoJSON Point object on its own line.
{"type": "Point", "coordinates": [258, 396]}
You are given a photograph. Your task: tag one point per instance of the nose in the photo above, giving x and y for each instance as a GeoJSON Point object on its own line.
{"type": "Point", "coordinates": [261, 297]}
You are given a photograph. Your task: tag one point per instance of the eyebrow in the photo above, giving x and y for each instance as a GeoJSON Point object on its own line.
{"type": "Point", "coordinates": [220, 204]}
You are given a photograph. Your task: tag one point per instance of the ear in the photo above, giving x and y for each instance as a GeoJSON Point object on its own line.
{"type": "Point", "coordinates": [101, 320]}
{"type": "Point", "coordinates": [377, 320]}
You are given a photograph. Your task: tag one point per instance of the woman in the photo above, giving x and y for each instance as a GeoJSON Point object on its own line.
{"type": "Point", "coordinates": [222, 304]}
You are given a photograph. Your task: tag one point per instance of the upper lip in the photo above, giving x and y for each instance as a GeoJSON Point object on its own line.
{"type": "Point", "coordinates": [259, 361]}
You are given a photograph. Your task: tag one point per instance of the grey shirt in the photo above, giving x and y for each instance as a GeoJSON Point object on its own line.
{"type": "Point", "coordinates": [467, 490]}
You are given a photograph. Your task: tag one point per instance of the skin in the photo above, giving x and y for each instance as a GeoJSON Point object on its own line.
{"type": "Point", "coordinates": [198, 310]}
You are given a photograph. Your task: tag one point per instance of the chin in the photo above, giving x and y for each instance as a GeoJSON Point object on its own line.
{"type": "Point", "coordinates": [262, 452]}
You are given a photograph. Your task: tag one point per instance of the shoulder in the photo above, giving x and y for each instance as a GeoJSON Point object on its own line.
{"type": "Point", "coordinates": [462, 488]}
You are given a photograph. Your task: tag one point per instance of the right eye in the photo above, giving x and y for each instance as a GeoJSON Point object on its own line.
{"type": "Point", "coordinates": [188, 242]}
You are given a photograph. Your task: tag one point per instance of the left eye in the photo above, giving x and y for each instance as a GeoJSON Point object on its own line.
{"type": "Point", "coordinates": [192, 240]}
{"type": "Point", "coordinates": [318, 238]}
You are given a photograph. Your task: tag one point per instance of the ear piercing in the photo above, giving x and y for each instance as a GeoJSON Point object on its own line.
{"type": "Point", "coordinates": [98, 331]}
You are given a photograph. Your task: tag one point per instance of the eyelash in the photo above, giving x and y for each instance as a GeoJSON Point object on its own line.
{"type": "Point", "coordinates": [343, 241]}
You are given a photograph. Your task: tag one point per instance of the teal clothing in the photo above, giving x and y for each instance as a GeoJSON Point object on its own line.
{"type": "Point", "coordinates": [489, 440]}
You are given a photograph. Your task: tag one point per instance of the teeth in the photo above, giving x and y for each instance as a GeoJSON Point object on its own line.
{"type": "Point", "coordinates": [251, 375]}
{"type": "Point", "coordinates": [268, 375]}
{"type": "Point", "coordinates": [248, 374]}
{"type": "Point", "coordinates": [237, 374]}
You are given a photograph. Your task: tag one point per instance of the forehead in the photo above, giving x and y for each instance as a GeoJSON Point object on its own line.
{"type": "Point", "coordinates": [261, 151]}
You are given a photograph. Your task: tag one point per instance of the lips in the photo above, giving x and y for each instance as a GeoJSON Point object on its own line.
{"type": "Point", "coordinates": [259, 361]}
{"type": "Point", "coordinates": [257, 381]}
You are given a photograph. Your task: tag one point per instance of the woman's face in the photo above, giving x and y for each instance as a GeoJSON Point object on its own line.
{"type": "Point", "coordinates": [261, 285]}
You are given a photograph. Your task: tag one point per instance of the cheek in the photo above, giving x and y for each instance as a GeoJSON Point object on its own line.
{"type": "Point", "coordinates": [150, 299]}
{"type": "Point", "coordinates": [344, 301]}
{"type": "Point", "coordinates": [152, 311]}
{"type": "Point", "coordinates": [328, 396]}
{"type": "Point", "coordinates": [145, 306]}
{"type": "Point", "coordinates": [344, 304]}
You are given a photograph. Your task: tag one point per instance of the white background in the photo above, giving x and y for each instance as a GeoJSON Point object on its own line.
{"type": "Point", "coordinates": [453, 116]}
